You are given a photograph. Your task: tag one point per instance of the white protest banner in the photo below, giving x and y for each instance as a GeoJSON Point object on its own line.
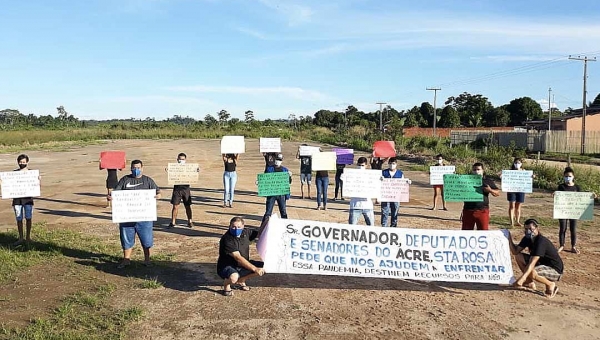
{"type": "Point", "coordinates": [321, 248]}
{"type": "Point", "coordinates": [436, 174]}
{"type": "Point", "coordinates": [395, 190]}
{"type": "Point", "coordinates": [182, 174]}
{"type": "Point", "coordinates": [233, 144]}
{"type": "Point", "coordinates": [573, 205]}
{"type": "Point", "coordinates": [307, 150]}
{"type": "Point", "coordinates": [16, 184]}
{"type": "Point", "coordinates": [324, 161]}
{"type": "Point", "coordinates": [361, 183]}
{"type": "Point", "coordinates": [270, 144]}
{"type": "Point", "coordinates": [517, 181]}
{"type": "Point", "coordinates": [133, 205]}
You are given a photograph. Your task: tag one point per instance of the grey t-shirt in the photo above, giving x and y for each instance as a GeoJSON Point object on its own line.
{"type": "Point", "coordinates": [131, 183]}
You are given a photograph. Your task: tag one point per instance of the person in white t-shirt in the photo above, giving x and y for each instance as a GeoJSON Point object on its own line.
{"type": "Point", "coordinates": [360, 205]}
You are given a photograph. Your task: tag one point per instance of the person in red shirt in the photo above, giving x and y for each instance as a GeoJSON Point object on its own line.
{"type": "Point", "coordinates": [478, 213]}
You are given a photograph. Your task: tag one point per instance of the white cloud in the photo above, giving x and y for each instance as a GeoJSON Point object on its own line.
{"type": "Point", "coordinates": [161, 99]}
{"type": "Point", "coordinates": [291, 92]}
{"type": "Point", "coordinates": [544, 104]}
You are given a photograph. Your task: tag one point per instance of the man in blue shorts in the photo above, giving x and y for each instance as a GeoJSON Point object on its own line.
{"type": "Point", "coordinates": [127, 231]}
{"type": "Point", "coordinates": [23, 206]}
{"type": "Point", "coordinates": [234, 265]}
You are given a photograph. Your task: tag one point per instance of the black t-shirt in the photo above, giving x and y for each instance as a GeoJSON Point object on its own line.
{"type": "Point", "coordinates": [305, 164]}
{"type": "Point", "coordinates": [131, 183]}
{"type": "Point", "coordinates": [542, 247]}
{"type": "Point", "coordinates": [564, 187]}
{"type": "Point", "coordinates": [269, 159]}
{"type": "Point", "coordinates": [230, 244]}
{"type": "Point", "coordinates": [22, 200]}
{"type": "Point", "coordinates": [339, 169]}
{"type": "Point", "coordinates": [376, 164]}
{"type": "Point", "coordinates": [486, 201]}
{"type": "Point", "coordinates": [322, 173]}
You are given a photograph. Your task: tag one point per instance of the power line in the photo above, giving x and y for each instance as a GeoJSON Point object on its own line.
{"type": "Point", "coordinates": [585, 60]}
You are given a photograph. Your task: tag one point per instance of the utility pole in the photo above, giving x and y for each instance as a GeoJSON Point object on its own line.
{"type": "Point", "coordinates": [585, 59]}
{"type": "Point", "coordinates": [549, 110]}
{"type": "Point", "coordinates": [434, 89]}
{"type": "Point", "coordinates": [381, 117]}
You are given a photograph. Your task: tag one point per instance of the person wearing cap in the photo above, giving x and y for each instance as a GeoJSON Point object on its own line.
{"type": "Point", "coordinates": [280, 199]}
{"type": "Point", "coordinates": [305, 172]}
{"type": "Point", "coordinates": [542, 264]}
{"type": "Point", "coordinates": [359, 205]}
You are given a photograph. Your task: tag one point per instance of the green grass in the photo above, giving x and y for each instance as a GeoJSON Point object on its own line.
{"type": "Point", "coordinates": [504, 222]}
{"type": "Point", "coordinates": [81, 316]}
{"type": "Point", "coordinates": [150, 283]}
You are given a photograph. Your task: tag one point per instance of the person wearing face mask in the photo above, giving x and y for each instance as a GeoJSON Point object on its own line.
{"type": "Point", "coordinates": [229, 178]}
{"type": "Point", "coordinates": [234, 265]}
{"type": "Point", "coordinates": [361, 206]}
{"type": "Point", "coordinates": [305, 172]}
{"type": "Point", "coordinates": [515, 199]}
{"type": "Point", "coordinates": [23, 207]}
{"type": "Point", "coordinates": [280, 199]}
{"type": "Point", "coordinates": [181, 193]}
{"type": "Point", "coordinates": [542, 264]}
{"type": "Point", "coordinates": [377, 162]}
{"type": "Point", "coordinates": [127, 231]}
{"type": "Point", "coordinates": [390, 208]}
{"type": "Point", "coordinates": [438, 190]}
{"type": "Point", "coordinates": [478, 213]}
{"type": "Point", "coordinates": [568, 185]}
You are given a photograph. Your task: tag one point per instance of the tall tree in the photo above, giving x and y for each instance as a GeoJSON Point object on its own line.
{"type": "Point", "coordinates": [596, 100]}
{"type": "Point", "coordinates": [449, 117]}
{"type": "Point", "coordinates": [223, 117]}
{"type": "Point", "coordinates": [210, 121]}
{"type": "Point", "coordinates": [248, 116]}
{"type": "Point", "coordinates": [498, 116]}
{"type": "Point", "coordinates": [524, 109]}
{"type": "Point", "coordinates": [470, 108]}
{"type": "Point", "coordinates": [413, 117]}
{"type": "Point", "coordinates": [426, 111]}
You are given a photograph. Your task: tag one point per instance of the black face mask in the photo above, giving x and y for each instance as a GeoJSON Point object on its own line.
{"type": "Point", "coordinates": [22, 166]}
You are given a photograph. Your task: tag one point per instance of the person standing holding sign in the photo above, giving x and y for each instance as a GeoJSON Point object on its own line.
{"type": "Point", "coordinates": [322, 177]}
{"type": "Point", "coordinates": [438, 190]}
{"type": "Point", "coordinates": [515, 199]}
{"type": "Point", "coordinates": [127, 231]}
{"type": "Point", "coordinates": [280, 199]}
{"type": "Point", "coordinates": [23, 206]}
{"type": "Point", "coordinates": [339, 185]}
{"type": "Point", "coordinates": [181, 193]}
{"type": "Point", "coordinates": [376, 162]}
{"type": "Point", "coordinates": [229, 178]}
{"type": "Point", "coordinates": [305, 171]}
{"type": "Point", "coordinates": [478, 213]}
{"type": "Point", "coordinates": [234, 265]}
{"type": "Point", "coordinates": [568, 185]}
{"type": "Point", "coordinates": [359, 205]}
{"type": "Point", "coordinates": [542, 264]}
{"type": "Point", "coordinates": [388, 208]}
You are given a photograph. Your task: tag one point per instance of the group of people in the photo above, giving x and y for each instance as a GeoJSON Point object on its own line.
{"type": "Point", "coordinates": [542, 263]}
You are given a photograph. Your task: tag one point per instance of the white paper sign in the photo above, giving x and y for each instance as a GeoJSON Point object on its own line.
{"type": "Point", "coordinates": [270, 144]}
{"type": "Point", "coordinates": [395, 190]}
{"type": "Point", "coordinates": [436, 174]}
{"type": "Point", "coordinates": [361, 183]}
{"type": "Point", "coordinates": [517, 181]}
{"type": "Point", "coordinates": [233, 144]}
{"type": "Point", "coordinates": [16, 184]}
{"type": "Point", "coordinates": [182, 174]}
{"type": "Point", "coordinates": [307, 150]}
{"type": "Point", "coordinates": [573, 205]}
{"type": "Point", "coordinates": [324, 161]}
{"type": "Point", "coordinates": [321, 248]}
{"type": "Point", "coordinates": [133, 205]}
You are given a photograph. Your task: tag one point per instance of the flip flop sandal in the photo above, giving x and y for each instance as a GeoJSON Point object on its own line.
{"type": "Point", "coordinates": [553, 294]}
{"type": "Point", "coordinates": [227, 292]}
{"type": "Point", "coordinates": [576, 250]}
{"type": "Point", "coordinates": [242, 287]}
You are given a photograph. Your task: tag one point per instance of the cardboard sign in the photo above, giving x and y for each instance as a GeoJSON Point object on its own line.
{"type": "Point", "coordinates": [395, 190]}
{"type": "Point", "coordinates": [307, 150]}
{"type": "Point", "coordinates": [273, 184]}
{"type": "Point", "coordinates": [112, 160]}
{"type": "Point", "coordinates": [517, 181]}
{"type": "Point", "coordinates": [233, 144]}
{"type": "Point", "coordinates": [181, 174]}
{"type": "Point", "coordinates": [344, 156]}
{"type": "Point", "coordinates": [463, 188]}
{"type": "Point", "coordinates": [324, 161]}
{"type": "Point", "coordinates": [270, 144]}
{"type": "Point", "coordinates": [361, 183]}
{"type": "Point", "coordinates": [384, 149]}
{"type": "Point", "coordinates": [17, 184]}
{"type": "Point", "coordinates": [573, 205]}
{"type": "Point", "coordinates": [367, 251]}
{"type": "Point", "coordinates": [436, 174]}
{"type": "Point", "coordinates": [133, 205]}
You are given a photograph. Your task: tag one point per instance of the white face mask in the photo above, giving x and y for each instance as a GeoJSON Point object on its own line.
{"type": "Point", "coordinates": [393, 166]}
{"type": "Point", "coordinates": [440, 161]}
{"type": "Point", "coordinates": [568, 179]}
{"type": "Point", "coordinates": [362, 167]}
{"type": "Point", "coordinates": [181, 161]}
{"type": "Point", "coordinates": [478, 172]}
{"type": "Point", "coordinates": [278, 163]}
{"type": "Point", "coordinates": [517, 165]}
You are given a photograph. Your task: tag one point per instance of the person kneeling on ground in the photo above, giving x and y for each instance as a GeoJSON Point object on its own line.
{"type": "Point", "coordinates": [542, 264]}
{"type": "Point", "coordinates": [234, 264]}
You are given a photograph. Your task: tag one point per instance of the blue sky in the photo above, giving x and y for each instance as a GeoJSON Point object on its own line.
{"type": "Point", "coordinates": [157, 58]}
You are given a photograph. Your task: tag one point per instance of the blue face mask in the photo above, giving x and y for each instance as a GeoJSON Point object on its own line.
{"type": "Point", "coordinates": [136, 172]}
{"type": "Point", "coordinates": [529, 234]}
{"type": "Point", "coordinates": [236, 232]}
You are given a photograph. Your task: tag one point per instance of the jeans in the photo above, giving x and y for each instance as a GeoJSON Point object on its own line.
{"type": "Point", "coordinates": [367, 213]}
{"type": "Point", "coordinates": [229, 180]}
{"type": "Point", "coordinates": [322, 184]}
{"type": "Point", "coordinates": [386, 209]}
{"type": "Point", "coordinates": [339, 185]}
{"type": "Point", "coordinates": [562, 234]}
{"type": "Point", "coordinates": [271, 204]}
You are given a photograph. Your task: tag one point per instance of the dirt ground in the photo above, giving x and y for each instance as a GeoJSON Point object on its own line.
{"type": "Point", "coordinates": [188, 305]}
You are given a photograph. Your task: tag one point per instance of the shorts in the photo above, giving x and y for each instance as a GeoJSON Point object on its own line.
{"type": "Point", "coordinates": [226, 272]}
{"type": "Point", "coordinates": [545, 271]}
{"type": "Point", "coordinates": [305, 178]}
{"type": "Point", "coordinates": [127, 233]}
{"type": "Point", "coordinates": [21, 210]}
{"type": "Point", "coordinates": [475, 219]}
{"type": "Point", "coordinates": [518, 197]}
{"type": "Point", "coordinates": [181, 195]}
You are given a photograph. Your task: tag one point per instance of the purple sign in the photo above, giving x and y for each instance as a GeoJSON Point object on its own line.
{"type": "Point", "coordinates": [344, 156]}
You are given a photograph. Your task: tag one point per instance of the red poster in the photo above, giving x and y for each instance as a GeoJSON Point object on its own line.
{"type": "Point", "coordinates": [384, 148]}
{"type": "Point", "coordinates": [112, 160]}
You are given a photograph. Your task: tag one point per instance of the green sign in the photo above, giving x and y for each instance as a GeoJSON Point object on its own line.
{"type": "Point", "coordinates": [463, 188]}
{"type": "Point", "coordinates": [273, 184]}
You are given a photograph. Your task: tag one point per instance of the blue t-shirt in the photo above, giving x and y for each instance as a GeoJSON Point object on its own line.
{"type": "Point", "coordinates": [386, 174]}
{"type": "Point", "coordinates": [279, 169]}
